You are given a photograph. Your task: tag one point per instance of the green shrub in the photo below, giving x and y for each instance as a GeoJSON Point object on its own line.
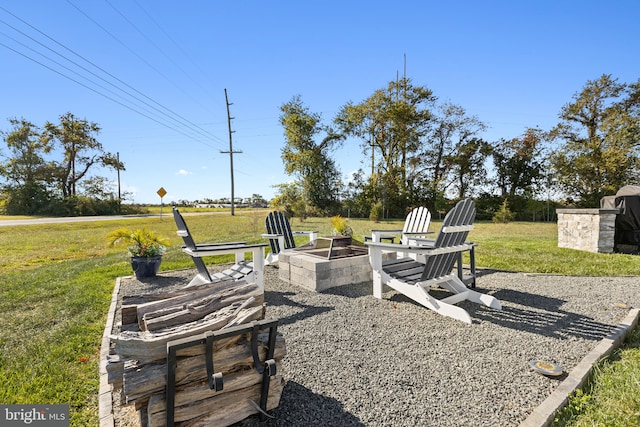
{"type": "Point", "coordinates": [375, 214]}
{"type": "Point", "coordinates": [504, 214]}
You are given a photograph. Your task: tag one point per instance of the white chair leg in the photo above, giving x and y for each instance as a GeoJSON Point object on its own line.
{"type": "Point", "coordinates": [375, 259]}
{"type": "Point", "coordinates": [421, 296]}
{"type": "Point", "coordinates": [258, 267]}
{"type": "Point", "coordinates": [377, 284]}
{"type": "Point", "coordinates": [456, 286]}
{"type": "Point", "coordinates": [198, 280]}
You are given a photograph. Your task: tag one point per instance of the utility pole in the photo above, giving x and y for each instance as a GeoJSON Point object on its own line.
{"type": "Point", "coordinates": [373, 147]}
{"type": "Point", "coordinates": [230, 152]}
{"type": "Point", "coordinates": [118, 169]}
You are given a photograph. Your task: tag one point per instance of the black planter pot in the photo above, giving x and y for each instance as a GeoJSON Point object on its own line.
{"type": "Point", "coordinates": [146, 266]}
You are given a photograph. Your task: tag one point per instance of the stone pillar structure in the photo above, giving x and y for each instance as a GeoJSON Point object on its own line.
{"type": "Point", "coordinates": [590, 230]}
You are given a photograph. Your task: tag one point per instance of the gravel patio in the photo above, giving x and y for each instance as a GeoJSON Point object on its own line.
{"type": "Point", "coordinates": [354, 360]}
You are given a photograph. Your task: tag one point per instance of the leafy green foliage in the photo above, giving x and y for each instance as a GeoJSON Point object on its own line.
{"type": "Point", "coordinates": [289, 199]}
{"type": "Point", "coordinates": [80, 150]}
{"type": "Point", "coordinates": [26, 172]}
{"type": "Point", "coordinates": [376, 212]}
{"type": "Point", "coordinates": [46, 165]}
{"type": "Point", "coordinates": [141, 242]}
{"type": "Point", "coordinates": [308, 159]}
{"type": "Point", "coordinates": [610, 397]}
{"type": "Point", "coordinates": [391, 123]}
{"type": "Point", "coordinates": [519, 163]}
{"type": "Point", "coordinates": [340, 226]}
{"type": "Point", "coordinates": [504, 215]}
{"type": "Point", "coordinates": [600, 131]}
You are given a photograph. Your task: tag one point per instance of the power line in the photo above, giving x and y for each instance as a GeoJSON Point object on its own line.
{"type": "Point", "coordinates": [159, 49]}
{"type": "Point", "coordinates": [144, 61]}
{"type": "Point", "coordinates": [177, 46]}
{"type": "Point", "coordinates": [168, 113]}
{"type": "Point", "coordinates": [101, 94]}
{"type": "Point", "coordinates": [76, 73]}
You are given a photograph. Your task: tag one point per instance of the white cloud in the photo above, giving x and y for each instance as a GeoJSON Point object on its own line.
{"type": "Point", "coordinates": [183, 172]}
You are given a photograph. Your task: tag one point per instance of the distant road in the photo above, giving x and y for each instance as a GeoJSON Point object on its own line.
{"type": "Point", "coordinates": [71, 219]}
{"type": "Point", "coordinates": [56, 220]}
{"type": "Point", "coordinates": [13, 222]}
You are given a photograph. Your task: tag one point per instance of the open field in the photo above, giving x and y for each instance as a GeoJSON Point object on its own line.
{"type": "Point", "coordinates": [57, 281]}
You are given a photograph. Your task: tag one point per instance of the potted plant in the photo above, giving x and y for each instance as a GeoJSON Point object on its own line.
{"type": "Point", "coordinates": [145, 249]}
{"type": "Point", "coordinates": [341, 229]}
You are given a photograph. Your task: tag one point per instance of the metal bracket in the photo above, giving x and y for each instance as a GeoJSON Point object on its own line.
{"type": "Point", "coordinates": [268, 369]}
{"type": "Point", "coordinates": [215, 379]}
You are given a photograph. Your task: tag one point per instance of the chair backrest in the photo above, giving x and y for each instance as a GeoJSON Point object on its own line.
{"type": "Point", "coordinates": [183, 231]}
{"type": "Point", "coordinates": [417, 221]}
{"type": "Point", "coordinates": [454, 231]}
{"type": "Point", "coordinates": [278, 223]}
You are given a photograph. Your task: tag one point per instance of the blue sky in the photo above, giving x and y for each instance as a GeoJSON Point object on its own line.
{"type": "Point", "coordinates": [513, 64]}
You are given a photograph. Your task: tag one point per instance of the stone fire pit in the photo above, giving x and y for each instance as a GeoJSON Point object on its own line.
{"type": "Point", "coordinates": [331, 261]}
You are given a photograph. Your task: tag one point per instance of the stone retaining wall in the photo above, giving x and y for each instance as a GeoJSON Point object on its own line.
{"type": "Point", "coordinates": [587, 229]}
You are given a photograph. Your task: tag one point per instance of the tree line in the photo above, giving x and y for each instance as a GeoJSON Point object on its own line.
{"type": "Point", "coordinates": [417, 151]}
{"type": "Point", "coordinates": [46, 169]}
{"type": "Point", "coordinates": [420, 151]}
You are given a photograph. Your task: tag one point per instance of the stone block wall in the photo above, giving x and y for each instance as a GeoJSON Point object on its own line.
{"type": "Point", "coordinates": [590, 230]}
{"type": "Point", "coordinates": [318, 274]}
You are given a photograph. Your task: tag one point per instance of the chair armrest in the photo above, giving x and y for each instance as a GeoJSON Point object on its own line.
{"type": "Point", "coordinates": [313, 235]}
{"type": "Point", "coordinates": [304, 232]}
{"type": "Point", "coordinates": [386, 231]}
{"type": "Point", "coordinates": [378, 235]}
{"type": "Point", "coordinates": [417, 233]}
{"type": "Point", "coordinates": [418, 249]}
{"type": "Point", "coordinates": [431, 242]}
{"type": "Point", "coordinates": [388, 246]}
{"type": "Point", "coordinates": [223, 248]}
{"type": "Point", "coordinates": [423, 241]}
{"type": "Point", "coordinates": [214, 245]}
{"type": "Point", "coordinates": [270, 236]}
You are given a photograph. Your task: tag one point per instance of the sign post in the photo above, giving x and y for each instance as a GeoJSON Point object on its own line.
{"type": "Point", "coordinates": [161, 192]}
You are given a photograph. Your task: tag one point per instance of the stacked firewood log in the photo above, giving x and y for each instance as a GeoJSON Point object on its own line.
{"type": "Point", "coordinates": [137, 364]}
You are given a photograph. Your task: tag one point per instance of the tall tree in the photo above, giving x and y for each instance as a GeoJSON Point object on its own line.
{"type": "Point", "coordinates": [81, 150]}
{"type": "Point", "coordinates": [452, 132]}
{"type": "Point", "coordinates": [390, 124]}
{"type": "Point", "coordinates": [26, 172]}
{"type": "Point", "coordinates": [306, 154]}
{"type": "Point", "coordinates": [468, 169]}
{"type": "Point", "coordinates": [519, 164]}
{"type": "Point", "coordinates": [599, 140]}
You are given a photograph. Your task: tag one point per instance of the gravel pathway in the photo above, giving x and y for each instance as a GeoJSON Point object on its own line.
{"type": "Point", "coordinates": [354, 360]}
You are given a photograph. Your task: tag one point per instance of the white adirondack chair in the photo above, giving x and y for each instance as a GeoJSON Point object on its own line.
{"type": "Point", "coordinates": [415, 226]}
{"type": "Point", "coordinates": [250, 270]}
{"type": "Point", "coordinates": [280, 235]}
{"type": "Point", "coordinates": [431, 265]}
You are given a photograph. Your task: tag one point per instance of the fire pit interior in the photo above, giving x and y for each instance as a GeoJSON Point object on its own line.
{"type": "Point", "coordinates": [333, 247]}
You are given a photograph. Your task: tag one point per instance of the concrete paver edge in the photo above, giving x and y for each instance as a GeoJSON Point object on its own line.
{"type": "Point", "coordinates": [544, 414]}
{"type": "Point", "coordinates": [105, 402]}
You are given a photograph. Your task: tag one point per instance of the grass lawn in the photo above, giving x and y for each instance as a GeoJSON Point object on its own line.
{"type": "Point", "coordinates": [57, 280]}
{"type": "Point", "coordinates": [612, 397]}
